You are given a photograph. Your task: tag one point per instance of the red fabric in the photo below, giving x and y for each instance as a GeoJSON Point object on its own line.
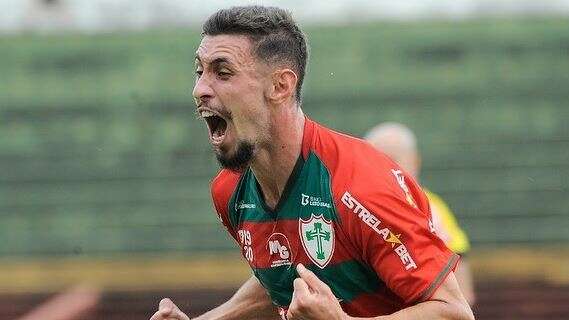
{"type": "Point", "coordinates": [396, 242]}
{"type": "Point", "coordinates": [361, 173]}
{"type": "Point", "coordinates": [222, 188]}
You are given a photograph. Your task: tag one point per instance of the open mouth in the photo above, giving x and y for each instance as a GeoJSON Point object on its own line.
{"type": "Point", "coordinates": [216, 125]}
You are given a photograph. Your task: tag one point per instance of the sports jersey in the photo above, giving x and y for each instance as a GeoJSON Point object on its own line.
{"type": "Point", "coordinates": [446, 226]}
{"type": "Point", "coordinates": [350, 215]}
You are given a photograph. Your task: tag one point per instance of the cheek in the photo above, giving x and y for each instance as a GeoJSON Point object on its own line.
{"type": "Point", "coordinates": [251, 110]}
{"type": "Point", "coordinates": [245, 98]}
{"type": "Point", "coordinates": [251, 122]}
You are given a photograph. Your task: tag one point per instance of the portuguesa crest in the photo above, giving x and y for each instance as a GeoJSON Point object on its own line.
{"type": "Point", "coordinates": [317, 235]}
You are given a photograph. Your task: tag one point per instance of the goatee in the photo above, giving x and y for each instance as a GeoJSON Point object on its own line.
{"type": "Point", "coordinates": [240, 160]}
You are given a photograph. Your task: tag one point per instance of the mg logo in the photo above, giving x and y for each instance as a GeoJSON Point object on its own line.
{"type": "Point", "coordinates": [279, 250]}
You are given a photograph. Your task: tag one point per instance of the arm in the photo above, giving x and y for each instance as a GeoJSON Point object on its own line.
{"type": "Point", "coordinates": [312, 300]}
{"type": "Point", "coordinates": [249, 302]}
{"type": "Point", "coordinates": [448, 229]}
{"type": "Point", "coordinates": [446, 303]}
{"type": "Point", "coordinates": [464, 279]}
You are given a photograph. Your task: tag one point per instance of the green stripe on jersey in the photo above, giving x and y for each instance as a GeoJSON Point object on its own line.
{"type": "Point", "coordinates": [347, 280]}
{"type": "Point", "coordinates": [308, 192]}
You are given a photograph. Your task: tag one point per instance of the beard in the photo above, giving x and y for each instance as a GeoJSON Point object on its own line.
{"type": "Point", "coordinates": [240, 159]}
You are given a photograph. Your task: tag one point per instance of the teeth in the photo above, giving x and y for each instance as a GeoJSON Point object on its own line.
{"type": "Point", "coordinates": [206, 114]}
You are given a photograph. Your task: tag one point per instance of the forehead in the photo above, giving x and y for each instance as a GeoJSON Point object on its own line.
{"type": "Point", "coordinates": [235, 49]}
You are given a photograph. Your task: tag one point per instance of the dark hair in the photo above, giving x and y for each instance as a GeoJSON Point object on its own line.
{"type": "Point", "coordinates": [275, 35]}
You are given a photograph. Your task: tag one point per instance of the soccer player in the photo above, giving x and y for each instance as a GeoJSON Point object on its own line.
{"type": "Point", "coordinates": [331, 228]}
{"type": "Point", "coordinates": [399, 142]}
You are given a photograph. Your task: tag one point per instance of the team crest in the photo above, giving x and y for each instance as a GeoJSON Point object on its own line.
{"type": "Point", "coordinates": [317, 236]}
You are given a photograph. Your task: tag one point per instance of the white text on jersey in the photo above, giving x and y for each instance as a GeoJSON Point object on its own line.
{"type": "Point", "coordinates": [373, 222]}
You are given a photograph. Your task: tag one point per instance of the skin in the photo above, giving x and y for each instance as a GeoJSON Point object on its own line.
{"type": "Point", "coordinates": [261, 104]}
{"type": "Point", "coordinates": [399, 143]}
{"type": "Point", "coordinates": [71, 304]}
{"type": "Point", "coordinates": [258, 102]}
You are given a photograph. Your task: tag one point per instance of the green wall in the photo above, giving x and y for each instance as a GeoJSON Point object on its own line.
{"type": "Point", "coordinates": [101, 153]}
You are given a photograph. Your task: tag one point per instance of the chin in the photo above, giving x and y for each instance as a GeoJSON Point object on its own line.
{"type": "Point", "coordinates": [238, 160]}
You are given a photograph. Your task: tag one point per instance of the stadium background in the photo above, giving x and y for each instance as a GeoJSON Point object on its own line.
{"type": "Point", "coordinates": [104, 169]}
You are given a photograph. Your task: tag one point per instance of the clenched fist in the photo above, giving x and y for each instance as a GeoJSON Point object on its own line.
{"type": "Point", "coordinates": [312, 299]}
{"type": "Point", "coordinates": [167, 310]}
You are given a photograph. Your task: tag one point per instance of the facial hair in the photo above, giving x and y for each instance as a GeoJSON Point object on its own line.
{"type": "Point", "coordinates": [240, 159]}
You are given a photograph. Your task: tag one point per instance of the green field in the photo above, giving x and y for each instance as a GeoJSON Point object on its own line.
{"type": "Point", "coordinates": [100, 151]}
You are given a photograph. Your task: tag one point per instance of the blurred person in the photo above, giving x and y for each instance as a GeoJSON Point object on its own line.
{"type": "Point", "coordinates": [400, 143]}
{"type": "Point", "coordinates": [331, 228]}
{"type": "Point", "coordinates": [72, 304]}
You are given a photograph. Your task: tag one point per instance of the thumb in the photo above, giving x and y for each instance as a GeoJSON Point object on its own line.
{"type": "Point", "coordinates": [301, 288]}
{"type": "Point", "coordinates": [166, 307]}
{"type": "Point", "coordinates": [300, 299]}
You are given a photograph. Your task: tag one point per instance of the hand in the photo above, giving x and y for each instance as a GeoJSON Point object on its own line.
{"type": "Point", "coordinates": [167, 310]}
{"type": "Point", "coordinates": [312, 299]}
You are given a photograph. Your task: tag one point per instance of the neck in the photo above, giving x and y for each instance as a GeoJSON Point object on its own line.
{"type": "Point", "coordinates": [273, 164]}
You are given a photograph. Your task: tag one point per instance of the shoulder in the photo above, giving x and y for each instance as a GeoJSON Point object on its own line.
{"type": "Point", "coordinates": [223, 186]}
{"type": "Point", "coordinates": [356, 165]}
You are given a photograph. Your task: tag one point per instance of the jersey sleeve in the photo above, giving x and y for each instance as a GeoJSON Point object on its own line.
{"type": "Point", "coordinates": [222, 188]}
{"type": "Point", "coordinates": [389, 223]}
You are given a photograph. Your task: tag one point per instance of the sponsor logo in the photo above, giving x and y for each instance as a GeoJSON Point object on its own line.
{"type": "Point", "coordinates": [401, 181]}
{"type": "Point", "coordinates": [304, 200]}
{"type": "Point", "coordinates": [242, 205]}
{"type": "Point", "coordinates": [374, 223]}
{"type": "Point", "coordinates": [279, 250]}
{"type": "Point", "coordinates": [307, 200]}
{"type": "Point", "coordinates": [317, 236]}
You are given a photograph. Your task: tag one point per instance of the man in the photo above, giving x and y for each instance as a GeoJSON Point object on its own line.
{"type": "Point", "coordinates": [398, 142]}
{"type": "Point", "coordinates": [331, 228]}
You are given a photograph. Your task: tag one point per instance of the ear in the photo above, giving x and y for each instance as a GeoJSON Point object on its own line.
{"type": "Point", "coordinates": [283, 85]}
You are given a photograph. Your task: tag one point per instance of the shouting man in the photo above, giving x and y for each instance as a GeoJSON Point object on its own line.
{"type": "Point", "coordinates": [331, 228]}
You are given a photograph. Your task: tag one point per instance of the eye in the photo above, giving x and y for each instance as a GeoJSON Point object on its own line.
{"type": "Point", "coordinates": [224, 74]}
{"type": "Point", "coordinates": [199, 73]}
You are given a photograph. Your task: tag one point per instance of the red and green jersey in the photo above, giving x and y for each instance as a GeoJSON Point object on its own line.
{"type": "Point", "coordinates": [349, 214]}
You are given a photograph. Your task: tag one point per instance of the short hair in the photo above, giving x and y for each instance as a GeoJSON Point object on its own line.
{"type": "Point", "coordinates": [275, 35]}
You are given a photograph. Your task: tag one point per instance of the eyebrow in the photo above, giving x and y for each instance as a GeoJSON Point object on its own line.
{"type": "Point", "coordinates": [215, 61]}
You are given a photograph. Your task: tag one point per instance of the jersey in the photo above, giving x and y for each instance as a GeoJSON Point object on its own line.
{"type": "Point", "coordinates": [446, 225]}
{"type": "Point", "coordinates": [350, 215]}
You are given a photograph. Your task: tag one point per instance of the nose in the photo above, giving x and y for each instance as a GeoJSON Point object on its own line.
{"type": "Point", "coordinates": [202, 89]}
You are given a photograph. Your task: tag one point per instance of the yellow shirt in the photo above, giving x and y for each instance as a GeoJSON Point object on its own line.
{"type": "Point", "coordinates": [446, 225]}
